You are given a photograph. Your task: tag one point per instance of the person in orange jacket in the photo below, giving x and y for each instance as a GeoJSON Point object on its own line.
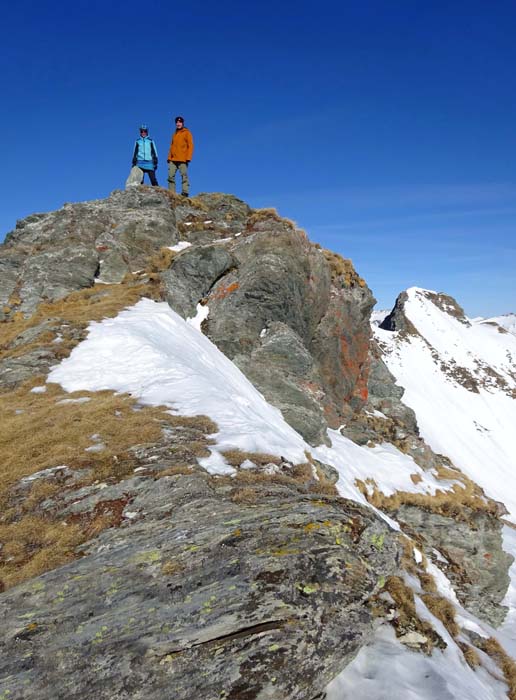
{"type": "Point", "coordinates": [179, 156]}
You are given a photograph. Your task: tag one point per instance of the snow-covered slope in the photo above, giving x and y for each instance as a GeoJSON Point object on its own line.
{"type": "Point", "coordinates": [152, 353]}
{"type": "Point", "coordinates": [460, 379]}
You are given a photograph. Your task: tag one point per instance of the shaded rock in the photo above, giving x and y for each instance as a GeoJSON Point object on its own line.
{"type": "Point", "coordinates": [476, 564]}
{"type": "Point", "coordinates": [397, 320]}
{"type": "Point", "coordinates": [283, 369]}
{"type": "Point", "coordinates": [192, 274]}
{"type": "Point", "coordinates": [201, 597]}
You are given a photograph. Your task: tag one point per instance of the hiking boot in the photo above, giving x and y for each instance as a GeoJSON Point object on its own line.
{"type": "Point", "coordinates": [184, 194]}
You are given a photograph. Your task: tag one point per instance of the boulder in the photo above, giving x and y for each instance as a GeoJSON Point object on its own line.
{"type": "Point", "coordinates": [135, 178]}
{"type": "Point", "coordinates": [199, 594]}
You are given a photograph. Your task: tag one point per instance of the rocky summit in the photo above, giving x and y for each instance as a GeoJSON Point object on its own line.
{"type": "Point", "coordinates": [130, 565]}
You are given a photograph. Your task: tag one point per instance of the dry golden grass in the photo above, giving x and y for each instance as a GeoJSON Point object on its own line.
{"type": "Point", "coordinates": [494, 649]}
{"type": "Point", "coordinates": [176, 470]}
{"type": "Point", "coordinates": [244, 495]}
{"type": "Point", "coordinates": [470, 654]}
{"type": "Point", "coordinates": [169, 568]}
{"type": "Point", "coordinates": [408, 563]}
{"type": "Point", "coordinates": [35, 545]}
{"type": "Point", "coordinates": [237, 457]}
{"type": "Point", "coordinates": [268, 214]}
{"type": "Point", "coordinates": [342, 269]}
{"type": "Point", "coordinates": [161, 260]}
{"type": "Point", "coordinates": [408, 619]}
{"type": "Point", "coordinates": [39, 432]}
{"type": "Point", "coordinates": [77, 309]}
{"type": "Point", "coordinates": [193, 202]}
{"type": "Point", "coordinates": [299, 475]}
{"type": "Point", "coordinates": [443, 610]}
{"type": "Point", "coordinates": [453, 503]}
{"type": "Point", "coordinates": [427, 581]}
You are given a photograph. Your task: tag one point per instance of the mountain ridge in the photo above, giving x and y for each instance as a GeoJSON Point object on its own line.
{"type": "Point", "coordinates": [293, 322]}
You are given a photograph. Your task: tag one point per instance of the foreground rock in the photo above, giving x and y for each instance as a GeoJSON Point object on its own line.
{"type": "Point", "coordinates": [207, 590]}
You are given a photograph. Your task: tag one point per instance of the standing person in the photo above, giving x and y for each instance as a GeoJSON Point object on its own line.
{"type": "Point", "coordinates": [145, 155]}
{"type": "Point", "coordinates": [179, 156]}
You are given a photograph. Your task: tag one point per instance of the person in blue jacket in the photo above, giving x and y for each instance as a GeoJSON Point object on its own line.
{"type": "Point", "coordinates": [145, 155]}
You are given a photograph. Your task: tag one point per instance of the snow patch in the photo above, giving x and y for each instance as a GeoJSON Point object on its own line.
{"type": "Point", "coordinates": [182, 245]}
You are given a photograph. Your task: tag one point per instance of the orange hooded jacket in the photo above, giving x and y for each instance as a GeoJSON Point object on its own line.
{"type": "Point", "coordinates": [181, 146]}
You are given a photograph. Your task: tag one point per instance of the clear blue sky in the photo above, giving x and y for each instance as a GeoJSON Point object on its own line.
{"type": "Point", "coordinates": [386, 129]}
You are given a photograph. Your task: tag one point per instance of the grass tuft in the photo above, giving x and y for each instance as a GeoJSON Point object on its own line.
{"type": "Point", "coordinates": [40, 432]}
{"type": "Point", "coordinates": [161, 260]}
{"type": "Point", "coordinates": [342, 270]}
{"type": "Point", "coordinates": [463, 496]}
{"type": "Point", "coordinates": [443, 610]}
{"type": "Point", "coordinates": [494, 649]}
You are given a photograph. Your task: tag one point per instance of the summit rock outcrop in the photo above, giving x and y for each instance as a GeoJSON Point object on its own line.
{"type": "Point", "coordinates": [293, 317]}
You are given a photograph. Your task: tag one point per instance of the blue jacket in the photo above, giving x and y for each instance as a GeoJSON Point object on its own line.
{"type": "Point", "coordinates": [145, 154]}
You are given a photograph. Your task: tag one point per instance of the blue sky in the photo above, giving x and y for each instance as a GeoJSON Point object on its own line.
{"type": "Point", "coordinates": [386, 129]}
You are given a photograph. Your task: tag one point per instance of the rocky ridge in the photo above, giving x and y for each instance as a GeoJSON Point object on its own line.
{"type": "Point", "coordinates": [286, 566]}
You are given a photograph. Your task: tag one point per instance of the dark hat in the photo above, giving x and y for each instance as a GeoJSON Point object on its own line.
{"type": "Point", "coordinates": [180, 119]}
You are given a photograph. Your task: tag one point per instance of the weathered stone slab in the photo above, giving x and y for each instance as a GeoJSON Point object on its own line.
{"type": "Point", "coordinates": [201, 596]}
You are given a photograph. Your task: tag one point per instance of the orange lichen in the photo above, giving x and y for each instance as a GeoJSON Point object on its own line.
{"type": "Point", "coordinates": [222, 292]}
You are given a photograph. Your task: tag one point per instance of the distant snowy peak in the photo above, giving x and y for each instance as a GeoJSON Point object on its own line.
{"type": "Point", "coordinates": [505, 322]}
{"type": "Point", "coordinates": [459, 378]}
{"type": "Point", "coordinates": [378, 316]}
{"type": "Point", "coordinates": [415, 303]}
{"type": "Point", "coordinates": [469, 353]}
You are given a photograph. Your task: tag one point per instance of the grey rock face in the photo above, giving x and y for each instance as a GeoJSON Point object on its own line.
{"type": "Point", "coordinates": [197, 595]}
{"type": "Point", "coordinates": [45, 278]}
{"type": "Point", "coordinates": [396, 320]}
{"type": "Point", "coordinates": [281, 366]}
{"type": "Point", "coordinates": [50, 255]}
{"type": "Point", "coordinates": [274, 308]}
{"type": "Point", "coordinates": [192, 274]}
{"type": "Point", "coordinates": [211, 216]}
{"type": "Point", "coordinates": [476, 563]}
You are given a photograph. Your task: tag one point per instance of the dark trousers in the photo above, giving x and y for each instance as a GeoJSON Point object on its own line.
{"type": "Point", "coordinates": [152, 177]}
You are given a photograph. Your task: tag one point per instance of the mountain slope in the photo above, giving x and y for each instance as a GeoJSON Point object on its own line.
{"type": "Point", "coordinates": [232, 500]}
